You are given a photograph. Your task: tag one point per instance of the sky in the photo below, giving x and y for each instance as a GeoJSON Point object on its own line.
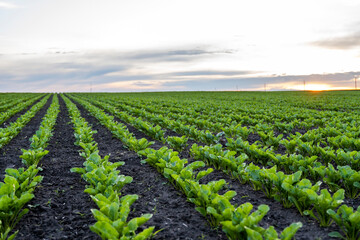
{"type": "Point", "coordinates": [171, 45]}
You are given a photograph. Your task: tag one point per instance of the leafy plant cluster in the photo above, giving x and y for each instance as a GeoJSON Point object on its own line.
{"type": "Point", "coordinates": [153, 131]}
{"type": "Point", "coordinates": [14, 128]}
{"type": "Point", "coordinates": [236, 221]}
{"type": "Point", "coordinates": [177, 126]}
{"type": "Point", "coordinates": [39, 141]}
{"type": "Point", "coordinates": [15, 100]}
{"type": "Point", "coordinates": [293, 190]}
{"type": "Point", "coordinates": [118, 129]}
{"type": "Point", "coordinates": [105, 184]}
{"type": "Point", "coordinates": [177, 143]}
{"type": "Point", "coordinates": [287, 189]}
{"type": "Point", "coordinates": [326, 154]}
{"type": "Point", "coordinates": [267, 136]}
{"type": "Point", "coordinates": [334, 121]}
{"type": "Point", "coordinates": [218, 119]}
{"type": "Point", "coordinates": [307, 160]}
{"type": "Point", "coordinates": [18, 186]}
{"type": "Point", "coordinates": [16, 106]}
{"type": "Point", "coordinates": [336, 178]}
{"type": "Point", "coordinates": [306, 152]}
{"type": "Point", "coordinates": [184, 177]}
{"type": "Point", "coordinates": [289, 163]}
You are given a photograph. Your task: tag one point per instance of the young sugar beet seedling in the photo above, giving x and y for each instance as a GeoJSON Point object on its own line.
{"type": "Point", "coordinates": [244, 225]}
{"type": "Point", "coordinates": [204, 196]}
{"type": "Point", "coordinates": [322, 203]}
{"type": "Point", "coordinates": [298, 195]}
{"type": "Point", "coordinates": [159, 162]}
{"type": "Point", "coordinates": [32, 156]}
{"type": "Point", "coordinates": [112, 218]}
{"type": "Point", "coordinates": [185, 178]}
{"type": "Point", "coordinates": [105, 186]}
{"type": "Point", "coordinates": [216, 156]}
{"type": "Point", "coordinates": [26, 178]}
{"type": "Point", "coordinates": [178, 143]}
{"type": "Point", "coordinates": [102, 175]}
{"type": "Point", "coordinates": [12, 201]}
{"type": "Point", "coordinates": [348, 220]}
{"type": "Point", "coordinates": [216, 208]}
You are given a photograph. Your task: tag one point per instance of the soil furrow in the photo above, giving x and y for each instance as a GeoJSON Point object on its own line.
{"type": "Point", "coordinates": [60, 209]}
{"type": "Point", "coordinates": [177, 218]}
{"type": "Point", "coordinates": [9, 154]}
{"type": "Point", "coordinates": [14, 117]}
{"type": "Point", "coordinates": [278, 216]}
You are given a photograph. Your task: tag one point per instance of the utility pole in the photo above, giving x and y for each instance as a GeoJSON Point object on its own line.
{"type": "Point", "coordinates": [355, 80]}
{"type": "Point", "coordinates": [304, 85]}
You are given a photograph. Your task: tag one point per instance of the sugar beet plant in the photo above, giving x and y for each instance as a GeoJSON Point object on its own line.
{"type": "Point", "coordinates": [105, 186]}
{"type": "Point", "coordinates": [16, 190]}
{"type": "Point", "coordinates": [237, 222]}
{"type": "Point", "coordinates": [306, 155]}
{"type": "Point", "coordinates": [14, 128]}
{"type": "Point", "coordinates": [118, 129]}
{"type": "Point", "coordinates": [326, 153]}
{"type": "Point", "coordinates": [263, 155]}
{"type": "Point", "coordinates": [5, 115]}
{"type": "Point", "coordinates": [289, 189]}
{"type": "Point", "coordinates": [185, 178]}
{"type": "Point", "coordinates": [19, 184]}
{"type": "Point", "coordinates": [42, 136]}
{"type": "Point", "coordinates": [177, 143]}
{"type": "Point", "coordinates": [348, 220]}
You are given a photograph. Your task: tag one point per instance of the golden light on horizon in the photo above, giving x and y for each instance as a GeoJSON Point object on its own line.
{"type": "Point", "coordinates": [313, 87]}
{"type": "Point", "coordinates": [317, 87]}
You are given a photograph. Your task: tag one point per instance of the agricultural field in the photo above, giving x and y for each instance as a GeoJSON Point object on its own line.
{"type": "Point", "coordinates": [180, 165]}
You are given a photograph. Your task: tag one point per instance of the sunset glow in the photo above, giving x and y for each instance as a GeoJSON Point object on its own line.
{"type": "Point", "coordinates": [314, 87]}
{"type": "Point", "coordinates": [317, 87]}
{"type": "Point", "coordinates": [178, 45]}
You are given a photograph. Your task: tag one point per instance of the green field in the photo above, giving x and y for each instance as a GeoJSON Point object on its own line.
{"type": "Point", "coordinates": [248, 165]}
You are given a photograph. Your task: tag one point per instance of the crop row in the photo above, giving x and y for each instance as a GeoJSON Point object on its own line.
{"type": "Point", "coordinates": [285, 188]}
{"type": "Point", "coordinates": [14, 128]}
{"type": "Point", "coordinates": [236, 221]}
{"type": "Point", "coordinates": [233, 113]}
{"type": "Point", "coordinates": [19, 107]}
{"type": "Point", "coordinates": [338, 132]}
{"type": "Point", "coordinates": [105, 186]}
{"type": "Point", "coordinates": [12, 102]}
{"type": "Point", "coordinates": [19, 184]}
{"type": "Point", "coordinates": [345, 176]}
{"type": "Point", "coordinates": [307, 144]}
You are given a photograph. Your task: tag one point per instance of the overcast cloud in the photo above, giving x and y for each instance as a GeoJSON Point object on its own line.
{"type": "Point", "coordinates": [139, 45]}
{"type": "Point", "coordinates": [128, 71]}
{"type": "Point", "coordinates": [343, 42]}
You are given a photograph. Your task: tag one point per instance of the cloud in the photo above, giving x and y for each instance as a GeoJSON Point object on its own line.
{"type": "Point", "coordinates": [335, 80]}
{"type": "Point", "coordinates": [7, 5]}
{"type": "Point", "coordinates": [173, 55]}
{"type": "Point", "coordinates": [214, 73]}
{"type": "Point", "coordinates": [349, 41]}
{"type": "Point", "coordinates": [142, 71]}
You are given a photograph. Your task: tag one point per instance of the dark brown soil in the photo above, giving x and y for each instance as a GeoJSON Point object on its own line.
{"type": "Point", "coordinates": [9, 154]}
{"type": "Point", "coordinates": [15, 116]}
{"type": "Point", "coordinates": [60, 209]}
{"type": "Point", "coordinates": [172, 214]}
{"type": "Point", "coordinates": [278, 216]}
